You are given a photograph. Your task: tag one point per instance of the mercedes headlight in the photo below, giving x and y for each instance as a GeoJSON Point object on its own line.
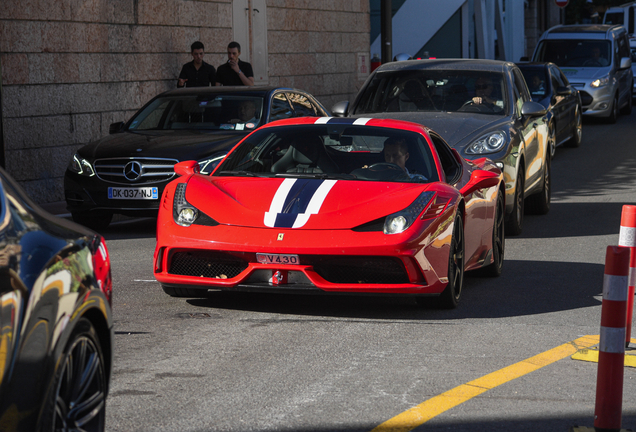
{"type": "Point", "coordinates": [402, 220]}
{"type": "Point", "coordinates": [492, 142]}
{"type": "Point", "coordinates": [601, 82]}
{"type": "Point", "coordinates": [81, 166]}
{"type": "Point", "coordinates": [207, 165]}
{"type": "Point", "coordinates": [183, 212]}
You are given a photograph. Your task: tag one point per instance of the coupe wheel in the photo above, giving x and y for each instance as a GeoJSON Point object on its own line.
{"type": "Point", "coordinates": [515, 222]}
{"type": "Point", "coordinates": [577, 132]}
{"type": "Point", "coordinates": [498, 239]}
{"type": "Point", "coordinates": [540, 203]}
{"type": "Point", "coordinates": [78, 398]}
{"type": "Point", "coordinates": [449, 298]}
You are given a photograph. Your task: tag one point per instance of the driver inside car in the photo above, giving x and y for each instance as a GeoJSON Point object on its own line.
{"type": "Point", "coordinates": [396, 152]}
{"type": "Point", "coordinates": [483, 92]}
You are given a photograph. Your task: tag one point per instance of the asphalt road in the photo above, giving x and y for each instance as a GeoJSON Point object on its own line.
{"type": "Point", "coordinates": [312, 363]}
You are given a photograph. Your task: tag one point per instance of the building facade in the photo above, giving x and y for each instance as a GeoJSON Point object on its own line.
{"type": "Point", "coordinates": [69, 68]}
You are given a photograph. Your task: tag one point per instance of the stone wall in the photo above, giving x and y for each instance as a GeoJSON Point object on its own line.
{"type": "Point", "coordinates": [71, 67]}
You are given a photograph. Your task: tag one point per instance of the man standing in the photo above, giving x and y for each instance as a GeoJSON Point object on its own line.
{"type": "Point", "coordinates": [235, 72]}
{"type": "Point", "coordinates": [197, 73]}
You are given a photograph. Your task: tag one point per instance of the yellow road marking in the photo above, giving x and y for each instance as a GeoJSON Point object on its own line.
{"type": "Point", "coordinates": [420, 414]}
{"type": "Point", "coordinates": [591, 355]}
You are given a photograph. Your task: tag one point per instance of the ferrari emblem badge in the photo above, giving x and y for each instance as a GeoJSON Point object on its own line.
{"type": "Point", "coordinates": [280, 236]}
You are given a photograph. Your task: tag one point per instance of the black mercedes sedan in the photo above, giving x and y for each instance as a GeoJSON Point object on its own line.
{"type": "Point", "coordinates": [482, 108]}
{"type": "Point", "coordinates": [125, 172]}
{"type": "Point", "coordinates": [56, 323]}
{"type": "Point", "coordinates": [550, 87]}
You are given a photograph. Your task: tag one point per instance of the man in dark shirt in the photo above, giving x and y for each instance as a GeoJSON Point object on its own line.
{"type": "Point", "coordinates": [197, 73]}
{"type": "Point", "coordinates": [235, 72]}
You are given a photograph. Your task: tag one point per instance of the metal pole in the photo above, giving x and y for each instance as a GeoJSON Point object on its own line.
{"type": "Point", "coordinates": [386, 16]}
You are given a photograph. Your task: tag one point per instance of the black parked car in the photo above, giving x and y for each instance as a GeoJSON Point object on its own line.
{"type": "Point", "coordinates": [482, 108]}
{"type": "Point", "coordinates": [56, 325]}
{"type": "Point", "coordinates": [126, 172]}
{"type": "Point", "coordinates": [549, 86]}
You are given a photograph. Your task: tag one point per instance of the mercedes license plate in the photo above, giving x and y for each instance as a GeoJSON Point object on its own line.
{"type": "Point", "coordinates": [147, 193]}
{"type": "Point", "coordinates": [277, 259]}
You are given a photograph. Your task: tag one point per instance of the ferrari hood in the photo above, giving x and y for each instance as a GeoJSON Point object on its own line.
{"type": "Point", "coordinates": [458, 128]}
{"type": "Point", "coordinates": [298, 202]}
{"type": "Point", "coordinates": [180, 145]}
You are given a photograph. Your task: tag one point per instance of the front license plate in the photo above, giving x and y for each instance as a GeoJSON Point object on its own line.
{"type": "Point", "coordinates": [277, 259]}
{"type": "Point", "coordinates": [147, 193]}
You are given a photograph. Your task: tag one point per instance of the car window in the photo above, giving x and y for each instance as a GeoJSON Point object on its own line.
{"type": "Point", "coordinates": [557, 75]}
{"type": "Point", "coordinates": [521, 90]}
{"type": "Point", "coordinates": [433, 90]}
{"type": "Point", "coordinates": [280, 109]}
{"type": "Point", "coordinates": [344, 152]}
{"type": "Point", "coordinates": [301, 104]}
{"type": "Point", "coordinates": [574, 52]}
{"type": "Point", "coordinates": [623, 48]}
{"type": "Point", "coordinates": [536, 80]}
{"type": "Point", "coordinates": [199, 112]}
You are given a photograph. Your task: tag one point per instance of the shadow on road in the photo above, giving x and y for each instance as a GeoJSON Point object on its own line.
{"type": "Point", "coordinates": [525, 288]}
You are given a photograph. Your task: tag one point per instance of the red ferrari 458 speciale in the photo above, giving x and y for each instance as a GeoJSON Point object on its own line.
{"type": "Point", "coordinates": [328, 205]}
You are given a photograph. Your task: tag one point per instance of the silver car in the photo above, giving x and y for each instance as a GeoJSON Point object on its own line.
{"type": "Point", "coordinates": [596, 60]}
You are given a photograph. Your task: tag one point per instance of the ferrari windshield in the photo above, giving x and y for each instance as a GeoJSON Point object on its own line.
{"type": "Point", "coordinates": [434, 90]}
{"type": "Point", "coordinates": [328, 151]}
{"type": "Point", "coordinates": [207, 112]}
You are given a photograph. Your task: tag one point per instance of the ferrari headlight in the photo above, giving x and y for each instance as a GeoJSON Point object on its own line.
{"type": "Point", "coordinates": [402, 220]}
{"type": "Point", "coordinates": [601, 82]}
{"type": "Point", "coordinates": [183, 212]}
{"type": "Point", "coordinates": [489, 143]}
{"type": "Point", "coordinates": [81, 166]}
{"type": "Point", "coordinates": [208, 165]}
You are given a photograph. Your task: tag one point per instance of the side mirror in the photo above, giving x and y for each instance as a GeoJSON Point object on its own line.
{"type": "Point", "coordinates": [533, 109]}
{"type": "Point", "coordinates": [564, 91]}
{"type": "Point", "coordinates": [340, 109]}
{"type": "Point", "coordinates": [626, 63]}
{"type": "Point", "coordinates": [187, 168]}
{"type": "Point", "coordinates": [480, 179]}
{"type": "Point", "coordinates": [116, 128]}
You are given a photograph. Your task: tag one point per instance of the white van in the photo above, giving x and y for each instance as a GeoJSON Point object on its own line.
{"type": "Point", "coordinates": [624, 15]}
{"type": "Point", "coordinates": [596, 60]}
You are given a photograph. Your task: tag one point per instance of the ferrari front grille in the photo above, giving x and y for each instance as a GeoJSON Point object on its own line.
{"type": "Point", "coordinates": [361, 270]}
{"type": "Point", "coordinates": [206, 264]}
{"type": "Point", "coordinates": [135, 171]}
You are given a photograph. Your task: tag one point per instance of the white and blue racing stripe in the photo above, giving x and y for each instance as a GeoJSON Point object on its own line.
{"type": "Point", "coordinates": [295, 201]}
{"type": "Point", "coordinates": [342, 120]}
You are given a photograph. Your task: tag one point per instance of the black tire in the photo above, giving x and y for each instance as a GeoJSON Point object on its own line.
{"type": "Point", "coordinates": [539, 203]}
{"type": "Point", "coordinates": [449, 298]}
{"type": "Point", "coordinates": [184, 292]}
{"type": "Point", "coordinates": [77, 400]}
{"type": "Point", "coordinates": [627, 109]}
{"type": "Point", "coordinates": [514, 223]}
{"type": "Point", "coordinates": [552, 139]}
{"type": "Point", "coordinates": [93, 220]}
{"type": "Point", "coordinates": [498, 239]}
{"type": "Point", "coordinates": [614, 113]}
{"type": "Point", "coordinates": [577, 131]}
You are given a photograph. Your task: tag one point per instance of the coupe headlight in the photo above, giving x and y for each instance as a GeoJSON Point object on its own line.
{"type": "Point", "coordinates": [183, 212]}
{"type": "Point", "coordinates": [601, 82]}
{"type": "Point", "coordinates": [402, 220]}
{"type": "Point", "coordinates": [489, 143]}
{"type": "Point", "coordinates": [208, 165]}
{"type": "Point", "coordinates": [81, 166]}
